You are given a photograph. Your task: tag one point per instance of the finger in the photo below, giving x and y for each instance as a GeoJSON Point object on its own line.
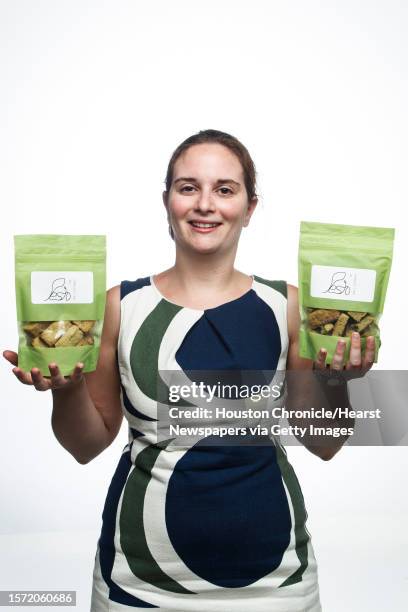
{"type": "Point", "coordinates": [24, 377]}
{"type": "Point", "coordinates": [320, 363]}
{"type": "Point", "coordinates": [11, 356]}
{"type": "Point", "coordinates": [369, 354]}
{"type": "Point", "coordinates": [338, 357]}
{"type": "Point", "coordinates": [76, 375]}
{"type": "Point", "coordinates": [39, 381]}
{"type": "Point", "coordinates": [57, 379]}
{"type": "Point", "coordinates": [355, 352]}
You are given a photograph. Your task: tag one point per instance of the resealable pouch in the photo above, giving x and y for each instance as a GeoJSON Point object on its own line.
{"type": "Point", "coordinates": [60, 299]}
{"type": "Point", "coordinates": [343, 279]}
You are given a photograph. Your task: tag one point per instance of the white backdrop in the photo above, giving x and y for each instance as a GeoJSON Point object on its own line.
{"type": "Point", "coordinates": [95, 96]}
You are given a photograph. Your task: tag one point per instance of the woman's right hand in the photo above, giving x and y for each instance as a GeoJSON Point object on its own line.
{"type": "Point", "coordinates": [43, 383]}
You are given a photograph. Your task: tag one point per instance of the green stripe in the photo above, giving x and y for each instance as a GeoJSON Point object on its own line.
{"type": "Point", "coordinates": [278, 285]}
{"type": "Point", "coordinates": [299, 510]}
{"type": "Point", "coordinates": [144, 354]}
{"type": "Point", "coordinates": [132, 530]}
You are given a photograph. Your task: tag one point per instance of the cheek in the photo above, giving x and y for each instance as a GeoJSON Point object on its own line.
{"type": "Point", "coordinates": [178, 207]}
{"type": "Point", "coordinates": [233, 213]}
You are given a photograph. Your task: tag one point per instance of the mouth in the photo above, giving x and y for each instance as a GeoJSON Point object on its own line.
{"type": "Point", "coordinates": [203, 227]}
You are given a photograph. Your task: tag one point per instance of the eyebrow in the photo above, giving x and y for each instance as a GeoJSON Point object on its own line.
{"type": "Point", "coordinates": [191, 179]}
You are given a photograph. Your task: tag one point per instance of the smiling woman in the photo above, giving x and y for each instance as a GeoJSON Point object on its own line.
{"type": "Point", "coordinates": [214, 524]}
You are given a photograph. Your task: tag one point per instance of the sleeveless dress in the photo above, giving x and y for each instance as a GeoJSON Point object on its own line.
{"type": "Point", "coordinates": [204, 528]}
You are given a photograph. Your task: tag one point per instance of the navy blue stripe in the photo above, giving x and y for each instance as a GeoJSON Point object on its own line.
{"type": "Point", "coordinates": [129, 286]}
{"type": "Point", "coordinates": [123, 597]}
{"type": "Point", "coordinates": [120, 596]}
{"type": "Point", "coordinates": [135, 433]}
{"type": "Point", "coordinates": [106, 540]}
{"type": "Point", "coordinates": [130, 408]}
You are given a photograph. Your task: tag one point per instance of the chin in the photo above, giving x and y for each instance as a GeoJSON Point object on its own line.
{"type": "Point", "coordinates": [201, 247]}
{"type": "Point", "coordinates": [205, 249]}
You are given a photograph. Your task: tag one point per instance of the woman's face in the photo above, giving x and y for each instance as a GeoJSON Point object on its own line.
{"type": "Point", "coordinates": [208, 188]}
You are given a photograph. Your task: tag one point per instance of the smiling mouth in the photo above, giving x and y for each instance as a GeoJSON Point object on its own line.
{"type": "Point", "coordinates": [203, 225]}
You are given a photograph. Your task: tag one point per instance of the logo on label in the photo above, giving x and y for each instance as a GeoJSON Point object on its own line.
{"type": "Point", "coordinates": [349, 284]}
{"type": "Point", "coordinates": [338, 284]}
{"type": "Point", "coordinates": [59, 292]}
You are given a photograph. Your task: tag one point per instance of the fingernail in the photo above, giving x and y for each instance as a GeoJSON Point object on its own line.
{"type": "Point", "coordinates": [356, 335]}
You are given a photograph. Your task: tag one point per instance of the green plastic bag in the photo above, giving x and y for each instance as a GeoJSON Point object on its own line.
{"type": "Point", "coordinates": [343, 278]}
{"type": "Point", "coordinates": [60, 299]}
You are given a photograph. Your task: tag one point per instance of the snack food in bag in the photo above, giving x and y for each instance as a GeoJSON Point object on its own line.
{"type": "Point", "coordinates": [60, 299]}
{"type": "Point", "coordinates": [343, 278]}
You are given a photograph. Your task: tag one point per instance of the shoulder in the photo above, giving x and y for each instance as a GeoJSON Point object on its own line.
{"type": "Point", "coordinates": [116, 294]}
{"type": "Point", "coordinates": [292, 294]}
{"type": "Point", "coordinates": [293, 311]}
{"type": "Point", "coordinates": [113, 296]}
{"type": "Point", "coordinates": [113, 292]}
{"type": "Point", "coordinates": [112, 311]}
{"type": "Point", "coordinates": [116, 304]}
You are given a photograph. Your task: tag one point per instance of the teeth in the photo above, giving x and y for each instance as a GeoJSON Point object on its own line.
{"type": "Point", "coordinates": [204, 224]}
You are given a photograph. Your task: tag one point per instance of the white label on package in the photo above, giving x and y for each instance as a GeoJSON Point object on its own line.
{"type": "Point", "coordinates": [339, 283]}
{"type": "Point", "coordinates": [62, 287]}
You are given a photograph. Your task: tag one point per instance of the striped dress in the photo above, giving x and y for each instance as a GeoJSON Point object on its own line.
{"type": "Point", "coordinates": [201, 528]}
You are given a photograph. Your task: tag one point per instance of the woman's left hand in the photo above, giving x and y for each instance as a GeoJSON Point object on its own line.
{"type": "Point", "coordinates": [357, 365]}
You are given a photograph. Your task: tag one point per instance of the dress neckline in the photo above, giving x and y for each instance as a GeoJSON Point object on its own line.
{"type": "Point", "coordinates": [153, 284]}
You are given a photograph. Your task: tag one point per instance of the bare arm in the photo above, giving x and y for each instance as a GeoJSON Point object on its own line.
{"type": "Point", "coordinates": [304, 391]}
{"type": "Point", "coordinates": [87, 414]}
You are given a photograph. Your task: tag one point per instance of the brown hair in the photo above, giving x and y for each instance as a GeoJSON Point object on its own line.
{"type": "Point", "coordinates": [232, 143]}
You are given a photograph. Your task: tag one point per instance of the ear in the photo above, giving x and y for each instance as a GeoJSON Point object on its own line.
{"type": "Point", "coordinates": [251, 207]}
{"type": "Point", "coordinates": [165, 202]}
{"type": "Point", "coordinates": [164, 196]}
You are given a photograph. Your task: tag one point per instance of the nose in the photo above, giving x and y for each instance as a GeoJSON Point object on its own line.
{"type": "Point", "coordinates": [204, 202]}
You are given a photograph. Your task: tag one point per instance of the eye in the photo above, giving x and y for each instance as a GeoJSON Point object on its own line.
{"type": "Point", "coordinates": [188, 187]}
{"type": "Point", "coordinates": [226, 190]}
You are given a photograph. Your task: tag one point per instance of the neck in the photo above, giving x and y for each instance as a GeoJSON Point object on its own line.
{"type": "Point", "coordinates": [204, 271]}
{"type": "Point", "coordinates": [199, 278]}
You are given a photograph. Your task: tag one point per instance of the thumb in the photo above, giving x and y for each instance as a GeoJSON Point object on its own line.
{"type": "Point", "coordinates": [11, 356]}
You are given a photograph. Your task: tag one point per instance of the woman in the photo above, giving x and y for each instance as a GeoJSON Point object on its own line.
{"type": "Point", "coordinates": [206, 528]}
